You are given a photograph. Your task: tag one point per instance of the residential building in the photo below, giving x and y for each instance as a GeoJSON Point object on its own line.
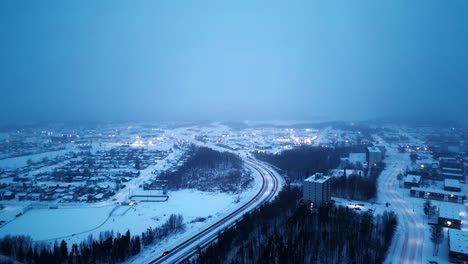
{"type": "Point", "coordinates": [373, 155]}
{"type": "Point", "coordinates": [440, 195]}
{"type": "Point", "coordinates": [383, 150]}
{"type": "Point", "coordinates": [316, 189]}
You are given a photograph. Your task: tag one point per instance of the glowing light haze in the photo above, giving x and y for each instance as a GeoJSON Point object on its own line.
{"type": "Point", "coordinates": [232, 60]}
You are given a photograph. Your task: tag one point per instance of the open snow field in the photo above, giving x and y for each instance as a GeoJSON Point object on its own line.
{"type": "Point", "coordinates": [76, 224]}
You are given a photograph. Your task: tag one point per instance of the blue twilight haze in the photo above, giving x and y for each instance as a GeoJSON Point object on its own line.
{"type": "Point", "coordinates": [232, 60]}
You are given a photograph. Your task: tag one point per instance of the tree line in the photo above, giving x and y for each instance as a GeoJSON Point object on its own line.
{"type": "Point", "coordinates": [209, 170]}
{"type": "Point", "coordinates": [300, 163]}
{"type": "Point", "coordinates": [108, 248]}
{"type": "Point", "coordinates": [287, 231]}
{"type": "Point", "coordinates": [362, 186]}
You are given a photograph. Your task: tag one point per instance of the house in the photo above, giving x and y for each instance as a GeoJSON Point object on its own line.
{"type": "Point", "coordinates": [21, 196]}
{"type": "Point", "coordinates": [7, 195]}
{"type": "Point", "coordinates": [78, 179]}
{"type": "Point", "coordinates": [458, 246]}
{"type": "Point", "coordinates": [35, 196]}
{"type": "Point", "coordinates": [99, 196]}
{"type": "Point", "coordinates": [412, 181]}
{"type": "Point", "coordinates": [67, 198]}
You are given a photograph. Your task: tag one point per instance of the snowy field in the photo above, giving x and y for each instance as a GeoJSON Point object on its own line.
{"type": "Point", "coordinates": [46, 224]}
{"type": "Point", "coordinates": [18, 162]}
{"type": "Point", "coordinates": [76, 224]}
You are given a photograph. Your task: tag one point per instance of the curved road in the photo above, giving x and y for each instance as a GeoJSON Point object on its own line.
{"type": "Point", "coordinates": [408, 240]}
{"type": "Point", "coordinates": [267, 192]}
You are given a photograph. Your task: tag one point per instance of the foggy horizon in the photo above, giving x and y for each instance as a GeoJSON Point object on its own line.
{"type": "Point", "coordinates": [163, 61]}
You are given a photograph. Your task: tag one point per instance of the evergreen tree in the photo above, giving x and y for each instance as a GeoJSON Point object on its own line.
{"type": "Point", "coordinates": [427, 207]}
{"type": "Point", "coordinates": [63, 250]}
{"type": "Point", "coordinates": [437, 236]}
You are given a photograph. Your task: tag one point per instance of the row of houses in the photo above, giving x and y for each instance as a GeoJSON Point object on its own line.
{"type": "Point", "coordinates": [77, 172]}
{"type": "Point", "coordinates": [61, 193]}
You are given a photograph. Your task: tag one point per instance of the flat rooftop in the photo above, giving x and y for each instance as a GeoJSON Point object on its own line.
{"type": "Point", "coordinates": [450, 211]}
{"type": "Point", "coordinates": [374, 149]}
{"type": "Point", "coordinates": [451, 169]}
{"type": "Point", "coordinates": [412, 178]}
{"type": "Point", "coordinates": [317, 178]}
{"type": "Point", "coordinates": [452, 183]}
{"type": "Point", "coordinates": [458, 240]}
{"type": "Point", "coordinates": [452, 174]}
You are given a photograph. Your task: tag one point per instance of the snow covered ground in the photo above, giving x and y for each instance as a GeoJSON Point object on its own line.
{"type": "Point", "coordinates": [76, 224]}
{"type": "Point", "coordinates": [17, 162]}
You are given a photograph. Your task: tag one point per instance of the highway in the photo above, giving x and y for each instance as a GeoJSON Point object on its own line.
{"type": "Point", "coordinates": [190, 247]}
{"type": "Point", "coordinates": [408, 240]}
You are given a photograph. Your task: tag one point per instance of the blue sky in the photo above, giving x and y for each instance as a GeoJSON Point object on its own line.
{"type": "Point", "coordinates": [232, 60]}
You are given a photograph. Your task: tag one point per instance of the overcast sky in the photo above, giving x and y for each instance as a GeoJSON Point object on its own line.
{"type": "Point", "coordinates": [232, 60]}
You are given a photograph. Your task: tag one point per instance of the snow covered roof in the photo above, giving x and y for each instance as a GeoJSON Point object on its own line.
{"type": "Point", "coordinates": [447, 159]}
{"type": "Point", "coordinates": [357, 157]}
{"type": "Point", "coordinates": [452, 174]}
{"type": "Point", "coordinates": [458, 241]}
{"type": "Point", "coordinates": [449, 212]}
{"type": "Point", "coordinates": [412, 178]}
{"type": "Point", "coordinates": [452, 183]}
{"type": "Point", "coordinates": [317, 178]}
{"type": "Point", "coordinates": [374, 149]}
{"type": "Point", "coordinates": [452, 169]}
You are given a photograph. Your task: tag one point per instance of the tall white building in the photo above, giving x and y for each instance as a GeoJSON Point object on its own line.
{"type": "Point", "coordinates": [373, 155]}
{"type": "Point", "coordinates": [316, 189]}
